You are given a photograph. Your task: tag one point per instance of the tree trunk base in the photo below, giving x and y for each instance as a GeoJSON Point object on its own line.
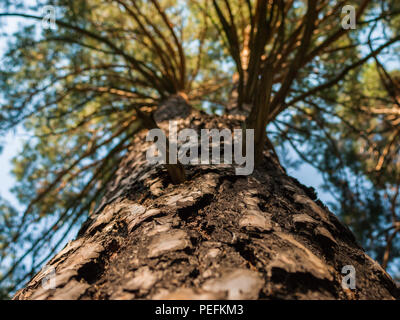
{"type": "Point", "coordinates": [216, 236]}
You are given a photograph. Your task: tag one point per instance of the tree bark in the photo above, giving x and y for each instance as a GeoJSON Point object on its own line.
{"type": "Point", "coordinates": [216, 236]}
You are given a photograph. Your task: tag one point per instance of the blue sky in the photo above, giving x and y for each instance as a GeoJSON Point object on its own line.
{"type": "Point", "coordinates": [12, 142]}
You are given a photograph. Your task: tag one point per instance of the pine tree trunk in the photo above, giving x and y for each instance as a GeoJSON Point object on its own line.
{"type": "Point", "coordinates": [218, 235]}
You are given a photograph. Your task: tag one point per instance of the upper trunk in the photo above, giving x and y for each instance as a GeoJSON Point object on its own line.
{"type": "Point", "coordinates": [218, 235]}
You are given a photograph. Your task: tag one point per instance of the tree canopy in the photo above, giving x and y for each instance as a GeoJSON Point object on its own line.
{"type": "Point", "coordinates": [83, 87]}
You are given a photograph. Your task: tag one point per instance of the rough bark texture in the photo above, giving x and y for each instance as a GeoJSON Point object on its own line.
{"type": "Point", "coordinates": [218, 235]}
